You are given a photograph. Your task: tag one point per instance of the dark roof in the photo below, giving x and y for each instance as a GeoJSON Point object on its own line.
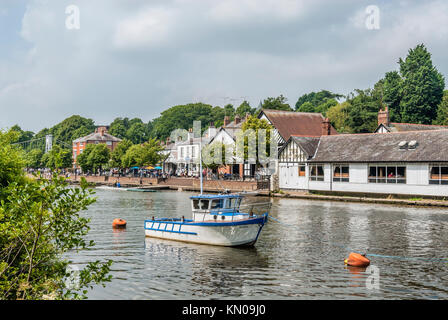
{"type": "Point", "coordinates": [307, 144]}
{"type": "Point", "coordinates": [400, 127]}
{"type": "Point", "coordinates": [289, 123]}
{"type": "Point", "coordinates": [373, 147]}
{"type": "Point", "coordinates": [96, 136]}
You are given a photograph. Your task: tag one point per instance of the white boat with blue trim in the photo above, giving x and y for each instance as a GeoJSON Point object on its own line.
{"type": "Point", "coordinates": [217, 220]}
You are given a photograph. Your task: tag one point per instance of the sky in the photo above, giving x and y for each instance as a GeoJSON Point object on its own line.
{"type": "Point", "coordinates": [136, 58]}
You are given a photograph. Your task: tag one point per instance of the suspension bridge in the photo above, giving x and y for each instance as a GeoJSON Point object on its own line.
{"type": "Point", "coordinates": [45, 143]}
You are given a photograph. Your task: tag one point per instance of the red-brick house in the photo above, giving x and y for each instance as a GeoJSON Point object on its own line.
{"type": "Point", "coordinates": [100, 135]}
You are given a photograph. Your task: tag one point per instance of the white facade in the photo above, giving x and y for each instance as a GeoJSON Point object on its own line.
{"type": "Point", "coordinates": [416, 180]}
{"type": "Point", "coordinates": [223, 137]}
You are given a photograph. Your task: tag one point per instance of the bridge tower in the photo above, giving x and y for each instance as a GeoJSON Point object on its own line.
{"type": "Point", "coordinates": [48, 143]}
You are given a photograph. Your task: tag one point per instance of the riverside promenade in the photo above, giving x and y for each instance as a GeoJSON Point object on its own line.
{"type": "Point", "coordinates": [193, 184]}
{"type": "Point", "coordinates": [174, 183]}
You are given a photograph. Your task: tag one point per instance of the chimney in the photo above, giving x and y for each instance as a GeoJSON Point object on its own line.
{"type": "Point", "coordinates": [168, 140]}
{"type": "Point", "coordinates": [383, 116]}
{"type": "Point", "coordinates": [101, 130]}
{"type": "Point", "coordinates": [211, 130]}
{"type": "Point", "coordinates": [190, 134]}
{"type": "Point", "coordinates": [226, 121]}
{"type": "Point", "coordinates": [326, 127]}
{"type": "Point", "coordinates": [237, 119]}
{"type": "Point", "coordinates": [247, 116]}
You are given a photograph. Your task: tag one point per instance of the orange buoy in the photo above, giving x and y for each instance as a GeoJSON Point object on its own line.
{"type": "Point", "coordinates": [357, 260]}
{"type": "Point", "coordinates": [119, 223]}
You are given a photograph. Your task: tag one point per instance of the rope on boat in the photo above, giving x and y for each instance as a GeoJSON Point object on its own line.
{"type": "Point", "coordinates": [367, 254]}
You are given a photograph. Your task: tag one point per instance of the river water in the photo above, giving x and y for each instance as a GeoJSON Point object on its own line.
{"type": "Point", "coordinates": [300, 258]}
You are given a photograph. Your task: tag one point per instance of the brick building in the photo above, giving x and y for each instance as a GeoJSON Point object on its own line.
{"type": "Point", "coordinates": [100, 135]}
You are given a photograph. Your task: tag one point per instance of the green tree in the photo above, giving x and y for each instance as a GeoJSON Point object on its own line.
{"type": "Point", "coordinates": [117, 155]}
{"type": "Point", "coordinates": [137, 133]}
{"type": "Point", "coordinates": [250, 139]}
{"type": "Point", "coordinates": [339, 117]}
{"type": "Point", "coordinates": [22, 135]}
{"type": "Point", "coordinates": [72, 128]}
{"type": "Point", "coordinates": [278, 103]}
{"type": "Point", "coordinates": [99, 157]}
{"type": "Point", "coordinates": [57, 158]}
{"type": "Point", "coordinates": [119, 127]}
{"type": "Point", "coordinates": [316, 99]}
{"type": "Point", "coordinates": [39, 222]}
{"type": "Point", "coordinates": [245, 108]}
{"type": "Point", "coordinates": [442, 111]}
{"type": "Point", "coordinates": [363, 111]}
{"type": "Point", "coordinates": [392, 94]}
{"type": "Point", "coordinates": [182, 116]}
{"type": "Point", "coordinates": [34, 158]}
{"type": "Point", "coordinates": [307, 107]}
{"type": "Point", "coordinates": [94, 157]}
{"type": "Point", "coordinates": [11, 160]}
{"type": "Point", "coordinates": [147, 154]}
{"type": "Point", "coordinates": [422, 88]}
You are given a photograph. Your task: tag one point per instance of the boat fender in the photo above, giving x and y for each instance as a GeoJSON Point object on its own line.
{"type": "Point", "coordinates": [357, 260]}
{"type": "Point", "coordinates": [119, 223]}
{"type": "Point", "coordinates": [223, 217]}
{"type": "Point", "coordinates": [215, 217]}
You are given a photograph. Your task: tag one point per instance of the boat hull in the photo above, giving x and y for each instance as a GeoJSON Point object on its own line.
{"type": "Point", "coordinates": [237, 233]}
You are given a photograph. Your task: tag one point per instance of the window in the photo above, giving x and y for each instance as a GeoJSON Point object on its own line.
{"type": "Point", "coordinates": [316, 172]}
{"type": "Point", "coordinates": [301, 170]}
{"type": "Point", "coordinates": [387, 174]}
{"type": "Point", "coordinates": [204, 204]}
{"type": "Point", "coordinates": [109, 143]}
{"type": "Point", "coordinates": [196, 204]}
{"type": "Point", "coordinates": [341, 173]}
{"type": "Point", "coordinates": [217, 204]}
{"type": "Point", "coordinates": [438, 174]}
{"type": "Point", "coordinates": [200, 204]}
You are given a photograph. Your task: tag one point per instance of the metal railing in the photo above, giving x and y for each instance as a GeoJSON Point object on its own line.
{"type": "Point", "coordinates": [256, 208]}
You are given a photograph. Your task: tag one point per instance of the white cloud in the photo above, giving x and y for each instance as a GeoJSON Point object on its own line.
{"type": "Point", "coordinates": [136, 58]}
{"type": "Point", "coordinates": [241, 10]}
{"type": "Point", "coordinates": [149, 27]}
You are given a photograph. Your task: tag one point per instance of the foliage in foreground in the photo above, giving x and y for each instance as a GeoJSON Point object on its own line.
{"type": "Point", "coordinates": [40, 221]}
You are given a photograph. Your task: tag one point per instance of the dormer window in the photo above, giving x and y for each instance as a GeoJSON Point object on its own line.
{"type": "Point", "coordinates": [413, 144]}
{"type": "Point", "coordinates": [402, 145]}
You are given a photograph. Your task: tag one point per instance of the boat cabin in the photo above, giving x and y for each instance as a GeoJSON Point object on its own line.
{"type": "Point", "coordinates": [206, 207]}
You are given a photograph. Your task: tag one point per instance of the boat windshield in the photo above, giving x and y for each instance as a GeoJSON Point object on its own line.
{"type": "Point", "coordinates": [200, 204]}
{"type": "Point", "coordinates": [217, 204]}
{"type": "Point", "coordinates": [232, 203]}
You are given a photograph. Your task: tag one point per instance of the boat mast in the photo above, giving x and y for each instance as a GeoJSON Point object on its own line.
{"type": "Point", "coordinates": [200, 161]}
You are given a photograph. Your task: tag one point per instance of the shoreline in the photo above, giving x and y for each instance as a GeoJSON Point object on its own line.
{"type": "Point", "coordinates": [233, 187]}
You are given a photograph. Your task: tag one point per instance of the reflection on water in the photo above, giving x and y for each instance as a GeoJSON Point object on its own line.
{"type": "Point", "coordinates": [301, 258]}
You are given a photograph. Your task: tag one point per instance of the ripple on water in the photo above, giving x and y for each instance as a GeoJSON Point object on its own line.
{"type": "Point", "coordinates": [303, 260]}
